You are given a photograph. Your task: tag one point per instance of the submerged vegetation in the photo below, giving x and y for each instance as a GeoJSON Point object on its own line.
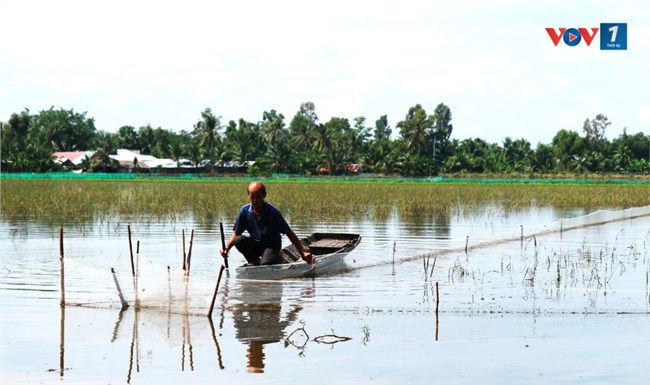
{"type": "Point", "coordinates": [211, 201]}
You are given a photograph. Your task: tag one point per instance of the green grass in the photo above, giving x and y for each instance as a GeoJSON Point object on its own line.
{"type": "Point", "coordinates": [208, 200]}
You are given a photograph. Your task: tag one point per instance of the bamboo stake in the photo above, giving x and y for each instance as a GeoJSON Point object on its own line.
{"type": "Point", "coordinates": [216, 288]}
{"type": "Point", "coordinates": [119, 290]}
{"type": "Point", "coordinates": [128, 227]}
{"type": "Point", "coordinates": [189, 253]}
{"type": "Point", "coordinates": [135, 281]}
{"type": "Point", "coordinates": [466, 243]}
{"type": "Point", "coordinates": [437, 298]}
{"type": "Point", "coordinates": [223, 243]}
{"type": "Point", "coordinates": [62, 273]}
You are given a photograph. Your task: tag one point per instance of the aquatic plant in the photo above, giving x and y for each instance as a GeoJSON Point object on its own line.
{"type": "Point", "coordinates": [208, 200]}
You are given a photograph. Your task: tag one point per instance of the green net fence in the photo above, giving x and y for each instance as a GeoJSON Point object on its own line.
{"type": "Point", "coordinates": [290, 177]}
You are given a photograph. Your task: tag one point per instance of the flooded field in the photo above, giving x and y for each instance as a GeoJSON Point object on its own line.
{"type": "Point", "coordinates": [463, 300]}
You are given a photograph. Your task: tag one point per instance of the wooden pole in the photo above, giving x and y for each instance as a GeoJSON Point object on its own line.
{"type": "Point", "coordinates": [216, 288]}
{"type": "Point", "coordinates": [135, 280]}
{"type": "Point", "coordinates": [437, 297]}
{"type": "Point", "coordinates": [137, 259]}
{"type": "Point", "coordinates": [62, 273]}
{"type": "Point", "coordinates": [128, 227]}
{"type": "Point", "coordinates": [189, 253]}
{"type": "Point", "coordinates": [223, 243]}
{"type": "Point", "coordinates": [119, 290]}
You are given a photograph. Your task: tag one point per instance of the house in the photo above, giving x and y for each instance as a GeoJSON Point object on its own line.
{"type": "Point", "coordinates": [353, 168]}
{"type": "Point", "coordinates": [71, 159]}
{"type": "Point", "coordinates": [130, 160]}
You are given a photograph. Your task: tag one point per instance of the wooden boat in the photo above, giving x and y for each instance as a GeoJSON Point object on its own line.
{"type": "Point", "coordinates": [329, 250]}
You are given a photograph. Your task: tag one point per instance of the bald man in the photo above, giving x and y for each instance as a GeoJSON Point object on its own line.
{"type": "Point", "coordinates": [265, 224]}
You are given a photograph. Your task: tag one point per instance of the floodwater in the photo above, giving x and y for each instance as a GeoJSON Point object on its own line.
{"type": "Point", "coordinates": [568, 306]}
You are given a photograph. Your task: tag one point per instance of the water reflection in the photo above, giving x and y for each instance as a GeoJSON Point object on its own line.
{"type": "Point", "coordinates": [259, 319]}
{"type": "Point", "coordinates": [599, 270]}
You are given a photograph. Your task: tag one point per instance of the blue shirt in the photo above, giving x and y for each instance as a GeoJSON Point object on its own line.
{"type": "Point", "coordinates": [267, 230]}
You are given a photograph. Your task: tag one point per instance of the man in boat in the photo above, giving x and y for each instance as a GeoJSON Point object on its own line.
{"type": "Point", "coordinates": [265, 224]}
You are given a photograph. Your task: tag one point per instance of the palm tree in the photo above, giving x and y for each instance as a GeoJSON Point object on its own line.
{"type": "Point", "coordinates": [279, 155]}
{"type": "Point", "coordinates": [416, 129]}
{"type": "Point", "coordinates": [208, 130]}
{"type": "Point", "coordinates": [272, 126]}
{"type": "Point", "coordinates": [102, 162]}
{"type": "Point", "coordinates": [242, 142]}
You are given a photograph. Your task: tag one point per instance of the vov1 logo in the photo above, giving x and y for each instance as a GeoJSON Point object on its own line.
{"type": "Point", "coordinates": [613, 36]}
{"type": "Point", "coordinates": [572, 36]}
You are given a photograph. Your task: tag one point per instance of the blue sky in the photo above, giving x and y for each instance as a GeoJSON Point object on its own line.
{"type": "Point", "coordinates": [162, 63]}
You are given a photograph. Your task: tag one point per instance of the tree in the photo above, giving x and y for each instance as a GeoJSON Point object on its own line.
{"type": "Point", "coordinates": [543, 158]}
{"type": "Point", "coordinates": [102, 162]}
{"type": "Point", "coordinates": [568, 149]}
{"type": "Point", "coordinates": [378, 156]}
{"type": "Point", "coordinates": [442, 122]}
{"type": "Point", "coordinates": [594, 129]}
{"type": "Point", "coordinates": [302, 127]}
{"type": "Point", "coordinates": [382, 129]}
{"type": "Point", "coordinates": [207, 129]}
{"type": "Point", "coordinates": [162, 140]}
{"type": "Point", "coordinates": [416, 129]}
{"type": "Point", "coordinates": [127, 138]}
{"type": "Point", "coordinates": [362, 133]}
{"type": "Point", "coordinates": [518, 154]}
{"type": "Point", "coordinates": [442, 131]}
{"type": "Point", "coordinates": [279, 154]}
{"type": "Point", "coordinates": [66, 130]}
{"type": "Point", "coordinates": [272, 126]}
{"type": "Point", "coordinates": [15, 134]}
{"type": "Point", "coordinates": [107, 141]}
{"type": "Point", "coordinates": [475, 155]}
{"type": "Point", "coordinates": [242, 139]}
{"type": "Point", "coordinates": [638, 144]}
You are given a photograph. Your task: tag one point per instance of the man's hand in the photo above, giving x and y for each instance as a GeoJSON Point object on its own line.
{"type": "Point", "coordinates": [224, 253]}
{"type": "Point", "coordinates": [309, 258]}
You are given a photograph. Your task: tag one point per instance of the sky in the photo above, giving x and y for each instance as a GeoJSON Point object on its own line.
{"type": "Point", "coordinates": [491, 62]}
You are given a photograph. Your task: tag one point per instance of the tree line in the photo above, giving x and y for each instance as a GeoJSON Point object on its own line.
{"type": "Point", "coordinates": [422, 146]}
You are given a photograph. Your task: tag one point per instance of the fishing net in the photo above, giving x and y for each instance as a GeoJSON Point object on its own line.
{"type": "Point", "coordinates": [152, 287]}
